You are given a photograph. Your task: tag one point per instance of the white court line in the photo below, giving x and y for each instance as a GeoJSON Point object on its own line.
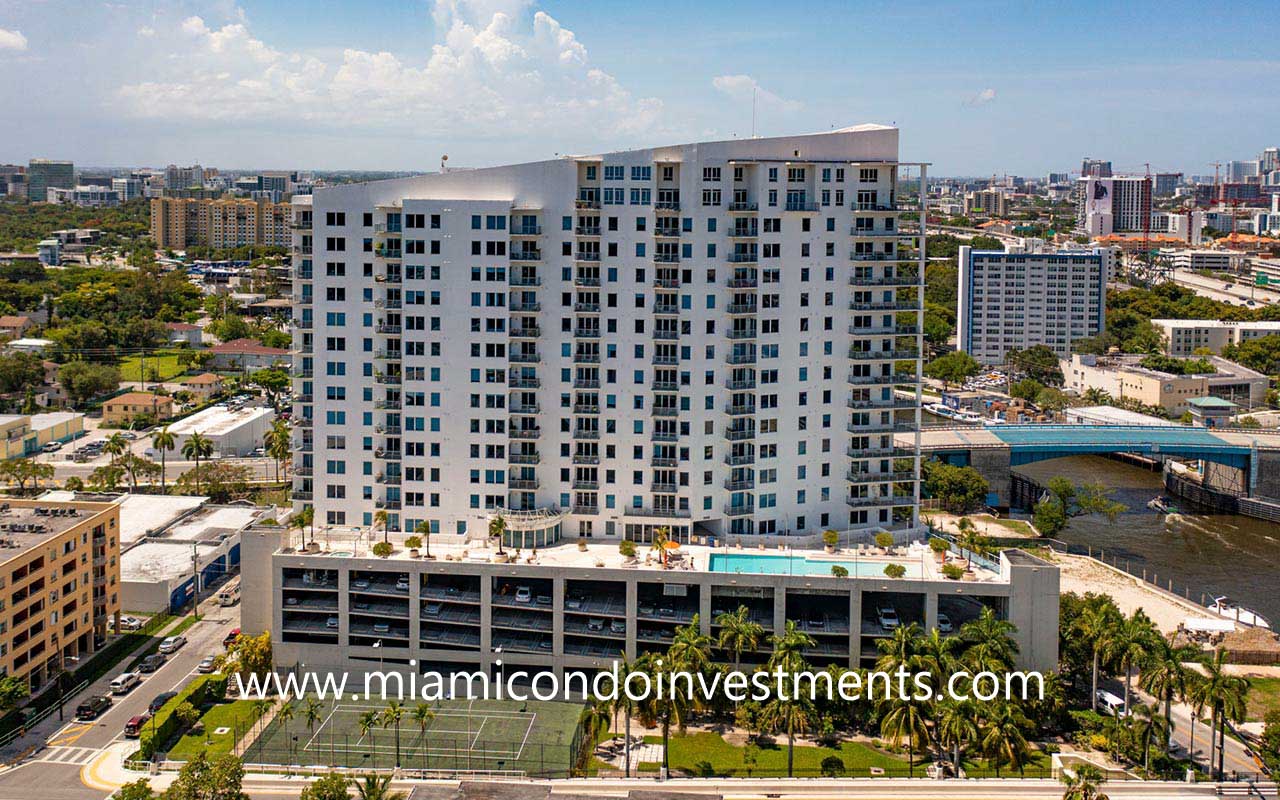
{"type": "Point", "coordinates": [332, 711]}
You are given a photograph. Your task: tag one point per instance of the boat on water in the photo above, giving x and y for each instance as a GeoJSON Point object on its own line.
{"type": "Point", "coordinates": [1162, 505]}
{"type": "Point", "coordinates": [1226, 607]}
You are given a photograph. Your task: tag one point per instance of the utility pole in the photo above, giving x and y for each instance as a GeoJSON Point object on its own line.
{"type": "Point", "coordinates": [195, 581]}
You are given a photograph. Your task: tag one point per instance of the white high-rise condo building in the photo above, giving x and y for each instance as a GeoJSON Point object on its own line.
{"type": "Point", "coordinates": [718, 339]}
{"type": "Point", "coordinates": [1016, 299]}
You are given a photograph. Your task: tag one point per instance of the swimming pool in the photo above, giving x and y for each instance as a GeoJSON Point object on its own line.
{"type": "Point", "coordinates": [750, 563]}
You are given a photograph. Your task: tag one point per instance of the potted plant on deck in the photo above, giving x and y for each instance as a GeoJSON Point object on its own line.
{"type": "Point", "coordinates": [830, 539]}
{"type": "Point", "coordinates": [413, 543]}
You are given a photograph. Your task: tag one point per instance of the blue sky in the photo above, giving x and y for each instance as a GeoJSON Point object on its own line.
{"type": "Point", "coordinates": [977, 88]}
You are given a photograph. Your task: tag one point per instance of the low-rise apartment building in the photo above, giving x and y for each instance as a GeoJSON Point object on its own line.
{"type": "Point", "coordinates": [580, 607]}
{"type": "Point", "coordinates": [131, 405]}
{"type": "Point", "coordinates": [1124, 378]}
{"type": "Point", "coordinates": [59, 579]}
{"type": "Point", "coordinates": [1184, 337]}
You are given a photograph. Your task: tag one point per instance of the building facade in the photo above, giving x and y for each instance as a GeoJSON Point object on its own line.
{"type": "Point", "coordinates": [991, 202]}
{"type": "Point", "coordinates": [1015, 300]}
{"type": "Point", "coordinates": [44, 174]}
{"type": "Point", "coordinates": [704, 338]}
{"type": "Point", "coordinates": [1124, 378]}
{"type": "Point", "coordinates": [61, 571]}
{"type": "Point", "coordinates": [84, 196]}
{"type": "Point", "coordinates": [179, 222]}
{"type": "Point", "coordinates": [1183, 337]}
{"type": "Point", "coordinates": [1114, 205]}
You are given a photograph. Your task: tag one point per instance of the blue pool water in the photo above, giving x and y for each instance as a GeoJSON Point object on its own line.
{"type": "Point", "coordinates": [749, 563]}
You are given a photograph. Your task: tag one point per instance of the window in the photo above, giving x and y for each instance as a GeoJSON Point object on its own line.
{"type": "Point", "coordinates": [711, 174]}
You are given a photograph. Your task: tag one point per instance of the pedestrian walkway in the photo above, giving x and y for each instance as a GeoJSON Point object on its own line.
{"type": "Point", "coordinates": [66, 755]}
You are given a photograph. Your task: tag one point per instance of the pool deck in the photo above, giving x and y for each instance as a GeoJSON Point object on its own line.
{"type": "Point", "coordinates": [919, 560]}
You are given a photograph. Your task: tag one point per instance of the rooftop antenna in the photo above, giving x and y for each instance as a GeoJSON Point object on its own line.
{"type": "Point", "coordinates": [753, 112]}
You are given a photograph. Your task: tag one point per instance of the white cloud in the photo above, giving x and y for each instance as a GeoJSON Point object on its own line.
{"type": "Point", "coordinates": [497, 68]}
{"type": "Point", "coordinates": [12, 40]}
{"type": "Point", "coordinates": [146, 31]}
{"type": "Point", "coordinates": [743, 87]}
{"type": "Point", "coordinates": [982, 98]}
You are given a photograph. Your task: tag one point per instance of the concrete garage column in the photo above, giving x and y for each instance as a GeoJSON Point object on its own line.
{"type": "Point", "coordinates": [415, 615]}
{"type": "Point", "coordinates": [344, 607]}
{"type": "Point", "coordinates": [486, 620]}
{"type": "Point", "coordinates": [930, 611]}
{"type": "Point", "coordinates": [855, 628]}
{"type": "Point", "coordinates": [557, 617]}
{"type": "Point", "coordinates": [704, 608]}
{"type": "Point", "coordinates": [779, 609]}
{"type": "Point", "coordinates": [633, 608]}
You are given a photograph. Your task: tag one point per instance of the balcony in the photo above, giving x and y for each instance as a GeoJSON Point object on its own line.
{"type": "Point", "coordinates": [586, 255]}
{"type": "Point", "coordinates": [586, 459]}
{"type": "Point", "coordinates": [886, 280]}
{"type": "Point", "coordinates": [584, 509]}
{"type": "Point", "coordinates": [586, 485]}
{"type": "Point", "coordinates": [524, 433]}
{"type": "Point", "coordinates": [858, 476]}
{"type": "Point", "coordinates": [664, 361]}
{"type": "Point", "coordinates": [666, 283]}
{"type": "Point", "coordinates": [665, 386]}
{"type": "Point", "coordinates": [666, 309]}
{"type": "Point", "coordinates": [744, 283]}
{"type": "Point", "coordinates": [893, 500]}
{"type": "Point", "coordinates": [660, 512]}
{"type": "Point", "coordinates": [667, 205]}
{"type": "Point", "coordinates": [388, 355]}
{"type": "Point", "coordinates": [586, 358]}
{"type": "Point", "coordinates": [586, 383]}
{"type": "Point", "coordinates": [526, 230]}
{"type": "Point", "coordinates": [387, 404]}
{"type": "Point", "coordinates": [663, 488]}
{"type": "Point", "coordinates": [589, 281]}
{"type": "Point", "coordinates": [740, 460]}
{"type": "Point", "coordinates": [739, 359]}
{"type": "Point", "coordinates": [523, 280]}
{"type": "Point", "coordinates": [524, 358]}
{"type": "Point", "coordinates": [739, 334]}
{"type": "Point", "coordinates": [393, 304]}
{"type": "Point", "coordinates": [589, 434]}
{"type": "Point", "coordinates": [666, 258]}
{"type": "Point", "coordinates": [586, 333]}
{"type": "Point", "coordinates": [387, 480]}
{"type": "Point", "coordinates": [880, 427]}
{"type": "Point", "coordinates": [586, 202]}
{"type": "Point", "coordinates": [303, 422]}
{"type": "Point", "coordinates": [739, 434]}
{"type": "Point", "coordinates": [526, 255]}
{"type": "Point", "coordinates": [741, 410]}
{"type": "Point", "coordinates": [801, 205]}
{"type": "Point", "coordinates": [883, 355]}
{"type": "Point", "coordinates": [524, 382]}
{"type": "Point", "coordinates": [664, 436]}
{"type": "Point", "coordinates": [392, 505]}
{"type": "Point", "coordinates": [525, 332]}
{"type": "Point", "coordinates": [586, 408]}
{"type": "Point", "coordinates": [738, 309]}
{"type": "Point", "coordinates": [743, 258]}
{"type": "Point", "coordinates": [879, 452]}
{"type": "Point", "coordinates": [740, 385]}
{"type": "Point", "coordinates": [587, 230]}
{"type": "Point", "coordinates": [745, 485]}
{"type": "Point", "coordinates": [857, 255]}
{"type": "Point", "coordinates": [665, 232]}
{"type": "Point", "coordinates": [662, 462]}
{"type": "Point", "coordinates": [387, 455]}
{"type": "Point", "coordinates": [885, 305]}
{"type": "Point", "coordinates": [527, 459]}
{"type": "Point", "coordinates": [388, 330]}
{"type": "Point", "coordinates": [525, 409]}
{"type": "Point", "coordinates": [304, 470]}
{"type": "Point", "coordinates": [302, 299]}
{"type": "Point", "coordinates": [526, 307]}
{"type": "Point", "coordinates": [666, 411]}
{"type": "Point", "coordinates": [586, 308]}
{"type": "Point", "coordinates": [387, 430]}
{"type": "Point", "coordinates": [523, 484]}
{"type": "Point", "coordinates": [731, 510]}
{"type": "Point", "coordinates": [881, 404]}
{"type": "Point", "coordinates": [743, 208]}
{"type": "Point", "coordinates": [744, 232]}
{"type": "Point", "coordinates": [301, 224]}
{"type": "Point", "coordinates": [390, 380]}
{"type": "Point", "coordinates": [304, 496]}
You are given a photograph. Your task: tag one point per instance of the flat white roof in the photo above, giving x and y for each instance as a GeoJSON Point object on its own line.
{"type": "Point", "coordinates": [142, 514]}
{"type": "Point", "coordinates": [215, 421]}
{"type": "Point", "coordinates": [161, 561]}
{"type": "Point", "coordinates": [54, 418]}
{"type": "Point", "coordinates": [1110, 415]}
{"type": "Point", "coordinates": [1262, 325]}
{"type": "Point", "coordinates": [212, 523]}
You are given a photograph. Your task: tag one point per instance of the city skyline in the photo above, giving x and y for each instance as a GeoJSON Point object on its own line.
{"type": "Point", "coordinates": [363, 88]}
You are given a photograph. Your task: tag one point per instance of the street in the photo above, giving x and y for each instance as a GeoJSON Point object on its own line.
{"type": "Point", "coordinates": [54, 770]}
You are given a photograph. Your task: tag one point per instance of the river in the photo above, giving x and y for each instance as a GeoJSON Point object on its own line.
{"type": "Point", "coordinates": [1213, 554]}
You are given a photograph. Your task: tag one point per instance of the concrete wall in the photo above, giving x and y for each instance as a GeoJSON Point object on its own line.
{"type": "Point", "coordinates": [1267, 479]}
{"type": "Point", "coordinates": [993, 464]}
{"type": "Point", "coordinates": [256, 547]}
{"type": "Point", "coordinates": [149, 596]}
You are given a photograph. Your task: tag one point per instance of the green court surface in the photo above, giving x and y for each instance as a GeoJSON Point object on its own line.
{"type": "Point", "coordinates": [533, 738]}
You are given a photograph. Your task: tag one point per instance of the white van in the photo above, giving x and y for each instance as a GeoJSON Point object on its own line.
{"type": "Point", "coordinates": [1108, 703]}
{"type": "Point", "coordinates": [124, 682]}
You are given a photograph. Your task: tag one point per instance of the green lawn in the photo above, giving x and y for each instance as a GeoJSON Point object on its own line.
{"type": "Point", "coordinates": [1264, 696]}
{"type": "Point", "coordinates": [237, 715]}
{"type": "Point", "coordinates": [1040, 764]}
{"type": "Point", "coordinates": [163, 364]}
{"type": "Point", "coordinates": [707, 754]}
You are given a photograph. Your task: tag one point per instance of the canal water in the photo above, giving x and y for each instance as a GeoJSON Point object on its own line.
{"type": "Point", "coordinates": [1213, 554]}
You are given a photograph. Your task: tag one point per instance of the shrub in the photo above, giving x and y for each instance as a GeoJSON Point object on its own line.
{"type": "Point", "coordinates": [627, 548]}
{"type": "Point", "coordinates": [884, 539]}
{"type": "Point", "coordinates": [186, 714]}
{"type": "Point", "coordinates": [830, 538]}
{"type": "Point", "coordinates": [839, 571]}
{"type": "Point", "coordinates": [895, 570]}
{"type": "Point", "coordinates": [413, 542]}
{"type": "Point", "coordinates": [832, 767]}
{"type": "Point", "coordinates": [938, 545]}
{"type": "Point", "coordinates": [952, 571]}
{"type": "Point", "coordinates": [382, 549]}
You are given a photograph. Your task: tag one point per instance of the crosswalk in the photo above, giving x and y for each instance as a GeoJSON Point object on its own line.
{"type": "Point", "coordinates": [66, 755]}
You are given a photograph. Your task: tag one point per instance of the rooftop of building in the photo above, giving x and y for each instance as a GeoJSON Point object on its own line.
{"type": "Point", "coordinates": [863, 560]}
{"type": "Point", "coordinates": [1110, 415]}
{"type": "Point", "coordinates": [213, 523]}
{"type": "Point", "coordinates": [1219, 323]}
{"type": "Point", "coordinates": [218, 420]}
{"type": "Point", "coordinates": [1132, 363]}
{"type": "Point", "coordinates": [25, 524]}
{"type": "Point", "coordinates": [1211, 402]}
{"type": "Point", "coordinates": [247, 346]}
{"type": "Point", "coordinates": [52, 419]}
{"type": "Point", "coordinates": [160, 560]}
{"type": "Point", "coordinates": [138, 399]}
{"type": "Point", "coordinates": [141, 515]}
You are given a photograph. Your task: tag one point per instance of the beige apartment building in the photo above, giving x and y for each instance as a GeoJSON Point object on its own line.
{"type": "Point", "coordinates": [59, 582]}
{"type": "Point", "coordinates": [1123, 377]}
{"type": "Point", "coordinates": [179, 222]}
{"type": "Point", "coordinates": [1183, 337]}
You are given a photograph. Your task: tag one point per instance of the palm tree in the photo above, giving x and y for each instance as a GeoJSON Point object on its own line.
{"type": "Point", "coordinates": [1226, 696]}
{"type": "Point", "coordinates": [1129, 645]}
{"type": "Point", "coordinates": [367, 721]}
{"type": "Point", "coordinates": [1097, 397]}
{"type": "Point", "coordinates": [690, 650]}
{"type": "Point", "coordinates": [595, 720]}
{"type": "Point", "coordinates": [286, 713]}
{"type": "Point", "coordinates": [903, 718]}
{"type": "Point", "coordinates": [1002, 735]}
{"type": "Point", "coordinates": [116, 446]}
{"type": "Point", "coordinates": [311, 713]}
{"type": "Point", "coordinates": [791, 716]}
{"type": "Point", "coordinates": [990, 641]}
{"type": "Point", "coordinates": [899, 650]}
{"type": "Point", "coordinates": [788, 649]}
{"type": "Point", "coordinates": [277, 443]}
{"type": "Point", "coordinates": [304, 517]}
{"type": "Point", "coordinates": [661, 536]}
{"type": "Point", "coordinates": [497, 529]}
{"type": "Point", "coordinates": [1164, 677]}
{"type": "Point", "coordinates": [162, 439]}
{"type": "Point", "coordinates": [390, 718]}
{"type": "Point", "coordinates": [423, 529]}
{"type": "Point", "coordinates": [957, 727]}
{"type": "Point", "coordinates": [376, 787]}
{"type": "Point", "coordinates": [627, 706]}
{"type": "Point", "coordinates": [422, 717]}
{"type": "Point", "coordinates": [195, 448]}
{"type": "Point", "coordinates": [1097, 624]}
{"type": "Point", "coordinates": [380, 518]}
{"type": "Point", "coordinates": [1149, 724]}
{"type": "Point", "coordinates": [738, 633]}
{"type": "Point", "coordinates": [668, 708]}
{"type": "Point", "coordinates": [1084, 782]}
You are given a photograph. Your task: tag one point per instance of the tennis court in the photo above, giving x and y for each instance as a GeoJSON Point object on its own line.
{"type": "Point", "coordinates": [531, 738]}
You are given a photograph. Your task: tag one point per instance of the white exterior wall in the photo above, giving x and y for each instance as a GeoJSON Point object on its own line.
{"type": "Point", "coordinates": [1011, 301]}
{"type": "Point", "coordinates": [797, 483]}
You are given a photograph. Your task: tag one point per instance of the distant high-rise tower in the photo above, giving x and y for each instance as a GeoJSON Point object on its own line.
{"type": "Point", "coordinates": [1094, 168]}
{"type": "Point", "coordinates": [43, 174]}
